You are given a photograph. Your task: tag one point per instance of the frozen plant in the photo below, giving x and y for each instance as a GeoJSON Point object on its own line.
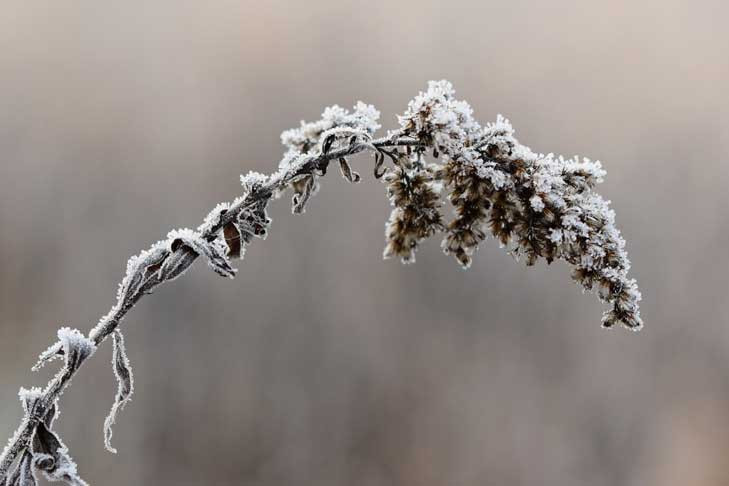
{"type": "Point", "coordinates": [535, 205]}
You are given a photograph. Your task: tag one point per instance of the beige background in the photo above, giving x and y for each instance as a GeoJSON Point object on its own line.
{"type": "Point", "coordinates": [322, 364]}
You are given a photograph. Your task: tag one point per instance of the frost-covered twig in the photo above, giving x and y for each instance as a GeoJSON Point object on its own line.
{"type": "Point", "coordinates": [538, 205]}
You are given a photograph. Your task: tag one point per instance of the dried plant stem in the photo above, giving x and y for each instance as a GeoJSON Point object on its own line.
{"type": "Point", "coordinates": [536, 205]}
{"type": "Point", "coordinates": [110, 322]}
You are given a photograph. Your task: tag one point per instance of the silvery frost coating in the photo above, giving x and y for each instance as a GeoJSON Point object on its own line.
{"type": "Point", "coordinates": [535, 205]}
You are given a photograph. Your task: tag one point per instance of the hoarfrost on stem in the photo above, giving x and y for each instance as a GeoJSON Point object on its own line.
{"type": "Point", "coordinates": [537, 206]}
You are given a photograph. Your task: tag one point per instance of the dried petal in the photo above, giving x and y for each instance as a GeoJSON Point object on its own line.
{"type": "Point", "coordinates": [53, 352]}
{"type": "Point", "coordinates": [252, 181]}
{"type": "Point", "coordinates": [139, 268]}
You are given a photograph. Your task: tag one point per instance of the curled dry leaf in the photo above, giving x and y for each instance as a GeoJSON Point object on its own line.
{"type": "Point", "coordinates": [125, 385]}
{"type": "Point", "coordinates": [50, 455]}
{"type": "Point", "coordinates": [304, 188]}
{"type": "Point", "coordinates": [72, 345]}
{"type": "Point", "coordinates": [139, 269]}
{"type": "Point", "coordinates": [347, 171]}
{"type": "Point", "coordinates": [254, 222]}
{"type": "Point", "coordinates": [211, 250]}
{"type": "Point", "coordinates": [379, 165]}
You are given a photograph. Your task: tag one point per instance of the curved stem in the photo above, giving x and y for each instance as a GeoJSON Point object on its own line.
{"type": "Point", "coordinates": [111, 321]}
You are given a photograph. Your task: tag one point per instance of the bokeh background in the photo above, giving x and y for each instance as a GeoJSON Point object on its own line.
{"type": "Point", "coordinates": [321, 363]}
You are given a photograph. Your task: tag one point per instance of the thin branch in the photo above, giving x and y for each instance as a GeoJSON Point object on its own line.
{"type": "Point", "coordinates": [112, 320]}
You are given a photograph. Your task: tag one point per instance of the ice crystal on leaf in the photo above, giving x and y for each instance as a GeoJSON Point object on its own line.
{"type": "Point", "coordinates": [253, 180]}
{"type": "Point", "coordinates": [51, 457]}
{"type": "Point", "coordinates": [363, 119]}
{"type": "Point", "coordinates": [414, 193]}
{"type": "Point", "coordinates": [24, 474]}
{"type": "Point", "coordinates": [46, 452]}
{"type": "Point", "coordinates": [72, 346]}
{"type": "Point", "coordinates": [139, 268]}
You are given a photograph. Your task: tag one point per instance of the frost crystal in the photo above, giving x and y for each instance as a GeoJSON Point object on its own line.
{"type": "Point", "coordinates": [252, 179]}
{"type": "Point", "coordinates": [30, 399]}
{"type": "Point", "coordinates": [213, 218]}
{"type": "Point", "coordinates": [437, 119]}
{"type": "Point", "coordinates": [362, 120]}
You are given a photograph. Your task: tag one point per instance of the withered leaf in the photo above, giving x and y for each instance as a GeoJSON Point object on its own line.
{"type": "Point", "coordinates": [232, 239]}
{"type": "Point", "coordinates": [125, 385]}
{"type": "Point", "coordinates": [215, 255]}
{"type": "Point", "coordinates": [347, 171]}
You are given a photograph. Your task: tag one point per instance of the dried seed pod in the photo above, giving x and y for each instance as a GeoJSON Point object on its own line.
{"type": "Point", "coordinates": [72, 345]}
{"type": "Point", "coordinates": [416, 215]}
{"type": "Point", "coordinates": [469, 197]}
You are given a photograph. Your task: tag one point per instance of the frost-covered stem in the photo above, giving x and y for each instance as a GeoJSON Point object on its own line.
{"type": "Point", "coordinates": [536, 205]}
{"type": "Point", "coordinates": [106, 326]}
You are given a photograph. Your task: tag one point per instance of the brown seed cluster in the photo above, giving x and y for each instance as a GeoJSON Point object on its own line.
{"type": "Point", "coordinates": [537, 206]}
{"type": "Point", "coordinates": [469, 195]}
{"type": "Point", "coordinates": [414, 192]}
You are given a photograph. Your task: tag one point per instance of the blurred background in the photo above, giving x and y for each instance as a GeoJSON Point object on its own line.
{"type": "Point", "coordinates": [321, 363]}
